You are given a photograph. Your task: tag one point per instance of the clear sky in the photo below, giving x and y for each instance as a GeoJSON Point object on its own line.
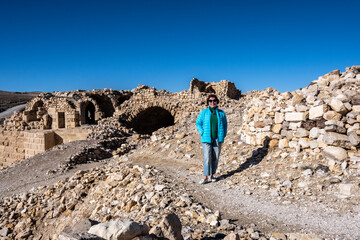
{"type": "Point", "coordinates": [61, 45]}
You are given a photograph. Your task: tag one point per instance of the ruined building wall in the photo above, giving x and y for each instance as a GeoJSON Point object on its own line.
{"type": "Point", "coordinates": [51, 119]}
{"type": "Point", "coordinates": [11, 147]}
{"type": "Point", "coordinates": [18, 145]}
{"type": "Point", "coordinates": [324, 116]}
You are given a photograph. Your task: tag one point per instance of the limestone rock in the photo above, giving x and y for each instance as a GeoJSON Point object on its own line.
{"type": "Point", "coordinates": [169, 227]}
{"type": "Point", "coordinates": [348, 189]}
{"type": "Point", "coordinates": [335, 153]}
{"type": "Point", "coordinates": [316, 113]}
{"type": "Point", "coordinates": [79, 236]}
{"type": "Point", "coordinates": [283, 143]}
{"type": "Point", "coordinates": [337, 106]}
{"type": "Point", "coordinates": [279, 118]}
{"type": "Point", "coordinates": [119, 230]}
{"type": "Point", "coordinates": [332, 115]}
{"type": "Point", "coordinates": [354, 138]}
{"type": "Point", "coordinates": [336, 139]}
{"type": "Point", "coordinates": [295, 116]}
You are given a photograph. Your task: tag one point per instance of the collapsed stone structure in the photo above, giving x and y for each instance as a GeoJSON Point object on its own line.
{"type": "Point", "coordinates": [299, 126]}
{"type": "Point", "coordinates": [54, 116]}
{"type": "Point", "coordinates": [222, 89]}
{"type": "Point", "coordinates": [323, 116]}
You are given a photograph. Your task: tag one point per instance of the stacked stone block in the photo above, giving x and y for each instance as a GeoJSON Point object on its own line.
{"type": "Point", "coordinates": [11, 147]}
{"type": "Point", "coordinates": [70, 135]}
{"type": "Point", "coordinates": [324, 116]}
{"type": "Point", "coordinates": [18, 145]}
{"type": "Point", "coordinates": [37, 142]}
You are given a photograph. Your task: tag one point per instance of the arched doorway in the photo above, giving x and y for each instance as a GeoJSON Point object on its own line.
{"type": "Point", "coordinates": [105, 105]}
{"type": "Point", "coordinates": [36, 111]}
{"type": "Point", "coordinates": [89, 113]}
{"type": "Point", "coordinates": [151, 119]}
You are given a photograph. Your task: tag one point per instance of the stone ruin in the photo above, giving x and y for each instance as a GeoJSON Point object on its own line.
{"type": "Point", "coordinates": [54, 118]}
{"type": "Point", "coordinates": [322, 117]}
{"type": "Point", "coordinates": [221, 89]}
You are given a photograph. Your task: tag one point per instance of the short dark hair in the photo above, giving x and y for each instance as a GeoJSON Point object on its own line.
{"type": "Point", "coordinates": [212, 96]}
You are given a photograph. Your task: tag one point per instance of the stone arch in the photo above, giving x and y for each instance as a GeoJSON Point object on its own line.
{"type": "Point", "coordinates": [210, 89]}
{"type": "Point", "coordinates": [151, 119]}
{"type": "Point", "coordinates": [88, 113]}
{"type": "Point", "coordinates": [36, 112]}
{"type": "Point", "coordinates": [105, 104]}
{"type": "Point", "coordinates": [121, 99]}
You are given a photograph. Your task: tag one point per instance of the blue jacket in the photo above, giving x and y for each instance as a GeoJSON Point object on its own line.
{"type": "Point", "coordinates": [204, 127]}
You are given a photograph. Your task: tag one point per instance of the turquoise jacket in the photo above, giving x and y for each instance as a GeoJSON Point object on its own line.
{"type": "Point", "coordinates": [204, 127]}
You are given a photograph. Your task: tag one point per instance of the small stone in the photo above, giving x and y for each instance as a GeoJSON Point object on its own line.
{"type": "Point", "coordinates": [159, 187]}
{"type": "Point", "coordinates": [283, 143]}
{"type": "Point", "coordinates": [4, 232]}
{"type": "Point", "coordinates": [279, 236]}
{"type": "Point", "coordinates": [295, 116]}
{"type": "Point", "coordinates": [232, 236]}
{"type": "Point", "coordinates": [316, 113]}
{"type": "Point", "coordinates": [354, 138]}
{"type": "Point", "coordinates": [307, 172]}
{"type": "Point", "coordinates": [344, 165]}
{"type": "Point", "coordinates": [337, 106]}
{"type": "Point", "coordinates": [335, 153]}
{"type": "Point", "coordinates": [348, 189]}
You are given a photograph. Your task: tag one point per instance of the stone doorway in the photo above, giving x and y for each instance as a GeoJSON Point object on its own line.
{"type": "Point", "coordinates": [61, 120]}
{"type": "Point", "coordinates": [151, 119]}
{"type": "Point", "coordinates": [89, 113]}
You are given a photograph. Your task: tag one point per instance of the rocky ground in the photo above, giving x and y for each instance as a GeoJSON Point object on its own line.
{"type": "Point", "coordinates": [302, 182]}
{"type": "Point", "coordinates": [262, 193]}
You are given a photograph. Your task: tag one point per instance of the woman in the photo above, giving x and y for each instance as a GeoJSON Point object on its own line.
{"type": "Point", "coordinates": [212, 127]}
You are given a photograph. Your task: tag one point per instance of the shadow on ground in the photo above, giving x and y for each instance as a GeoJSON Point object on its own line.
{"type": "Point", "coordinates": [257, 156]}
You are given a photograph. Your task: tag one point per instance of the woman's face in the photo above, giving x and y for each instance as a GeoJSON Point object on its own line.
{"type": "Point", "coordinates": [212, 102]}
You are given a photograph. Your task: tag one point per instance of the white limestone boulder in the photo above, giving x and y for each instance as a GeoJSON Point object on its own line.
{"type": "Point", "coordinates": [335, 153]}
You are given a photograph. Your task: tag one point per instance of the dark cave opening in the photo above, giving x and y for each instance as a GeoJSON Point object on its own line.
{"type": "Point", "coordinates": [151, 119]}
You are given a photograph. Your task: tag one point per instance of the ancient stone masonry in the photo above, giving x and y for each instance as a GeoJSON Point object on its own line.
{"type": "Point", "coordinates": [106, 113]}
{"type": "Point", "coordinates": [222, 89]}
{"type": "Point", "coordinates": [67, 109]}
{"type": "Point", "coordinates": [322, 116]}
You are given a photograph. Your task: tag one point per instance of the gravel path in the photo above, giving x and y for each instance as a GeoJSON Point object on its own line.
{"type": "Point", "coordinates": [231, 202]}
{"type": "Point", "coordinates": [268, 216]}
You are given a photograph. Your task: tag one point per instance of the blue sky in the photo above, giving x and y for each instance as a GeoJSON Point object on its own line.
{"type": "Point", "coordinates": [62, 45]}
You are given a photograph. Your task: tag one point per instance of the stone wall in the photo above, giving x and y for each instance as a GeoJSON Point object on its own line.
{"type": "Point", "coordinates": [221, 89]}
{"type": "Point", "coordinates": [54, 118]}
{"type": "Point", "coordinates": [36, 142]}
{"type": "Point", "coordinates": [11, 147]}
{"type": "Point", "coordinates": [70, 135]}
{"type": "Point", "coordinates": [18, 145]}
{"type": "Point", "coordinates": [322, 116]}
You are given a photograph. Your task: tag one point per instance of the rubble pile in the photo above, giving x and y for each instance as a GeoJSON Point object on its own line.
{"type": "Point", "coordinates": [322, 117]}
{"type": "Point", "coordinates": [119, 191]}
{"type": "Point", "coordinates": [15, 123]}
{"type": "Point", "coordinates": [108, 128]}
{"type": "Point", "coordinates": [288, 148]}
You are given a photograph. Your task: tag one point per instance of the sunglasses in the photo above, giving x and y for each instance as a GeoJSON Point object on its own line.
{"type": "Point", "coordinates": [213, 100]}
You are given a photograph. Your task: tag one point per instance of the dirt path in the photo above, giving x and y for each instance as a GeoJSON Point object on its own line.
{"type": "Point", "coordinates": [34, 172]}
{"type": "Point", "coordinates": [245, 209]}
{"type": "Point", "coordinates": [230, 201]}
